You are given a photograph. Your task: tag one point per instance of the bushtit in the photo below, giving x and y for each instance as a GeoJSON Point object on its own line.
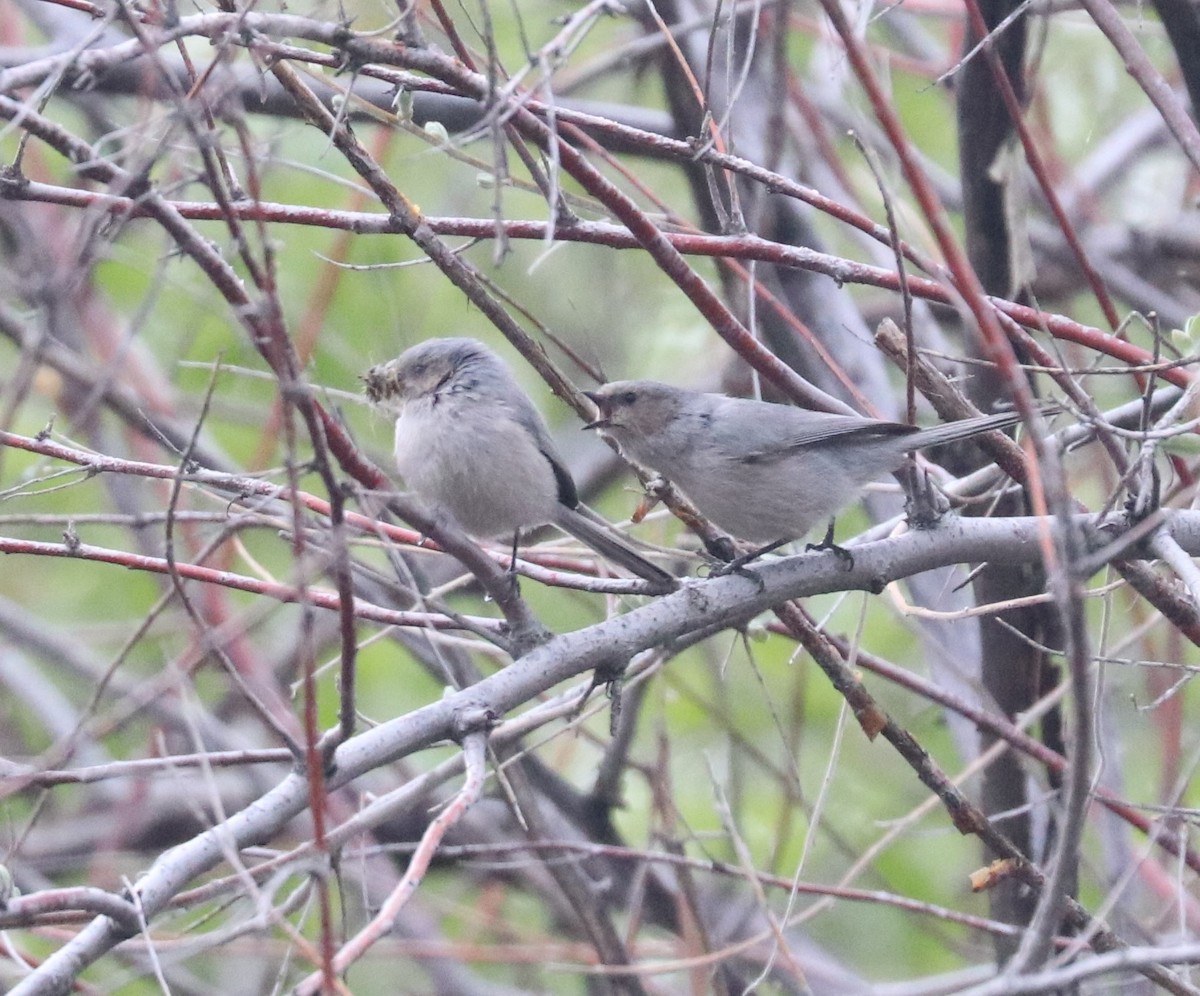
{"type": "Point", "coordinates": [764, 472]}
{"type": "Point", "coordinates": [470, 443]}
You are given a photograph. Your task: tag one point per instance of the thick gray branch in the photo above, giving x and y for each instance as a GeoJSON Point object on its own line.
{"type": "Point", "coordinates": [700, 605]}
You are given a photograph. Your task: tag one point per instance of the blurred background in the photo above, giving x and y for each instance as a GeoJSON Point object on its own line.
{"type": "Point", "coordinates": [185, 256]}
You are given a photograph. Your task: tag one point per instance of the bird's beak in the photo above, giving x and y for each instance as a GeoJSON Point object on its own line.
{"type": "Point", "coordinates": [602, 422]}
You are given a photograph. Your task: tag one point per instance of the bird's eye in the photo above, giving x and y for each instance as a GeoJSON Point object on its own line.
{"type": "Point", "coordinates": [628, 398]}
{"type": "Point", "coordinates": [418, 368]}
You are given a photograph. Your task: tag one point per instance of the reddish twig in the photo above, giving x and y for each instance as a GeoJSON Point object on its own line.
{"type": "Point", "coordinates": [474, 745]}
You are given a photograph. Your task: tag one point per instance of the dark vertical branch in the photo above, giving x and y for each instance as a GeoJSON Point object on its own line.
{"type": "Point", "coordinates": [984, 129]}
{"type": "Point", "coordinates": [1013, 670]}
{"type": "Point", "coordinates": [1181, 18]}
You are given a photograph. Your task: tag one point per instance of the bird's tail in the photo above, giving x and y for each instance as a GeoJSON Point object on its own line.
{"type": "Point", "coordinates": [605, 542]}
{"type": "Point", "coordinates": [950, 432]}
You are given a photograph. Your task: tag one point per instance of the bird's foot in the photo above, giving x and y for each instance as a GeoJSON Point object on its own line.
{"type": "Point", "coordinates": [827, 543]}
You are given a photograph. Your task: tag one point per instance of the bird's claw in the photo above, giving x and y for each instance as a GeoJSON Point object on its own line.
{"type": "Point", "coordinates": [738, 566]}
{"type": "Point", "coordinates": [844, 555]}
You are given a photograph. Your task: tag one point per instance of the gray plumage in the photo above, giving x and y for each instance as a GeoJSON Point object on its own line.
{"type": "Point", "coordinates": [760, 471]}
{"type": "Point", "coordinates": [470, 443]}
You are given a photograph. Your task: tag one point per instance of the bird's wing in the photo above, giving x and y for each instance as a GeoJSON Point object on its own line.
{"type": "Point", "coordinates": [532, 421]}
{"type": "Point", "coordinates": [792, 429]}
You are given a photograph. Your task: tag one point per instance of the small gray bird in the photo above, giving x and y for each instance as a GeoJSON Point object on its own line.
{"type": "Point", "coordinates": [470, 443]}
{"type": "Point", "coordinates": [766, 473]}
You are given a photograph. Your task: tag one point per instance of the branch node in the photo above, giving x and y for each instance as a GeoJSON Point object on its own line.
{"type": "Point", "coordinates": [472, 719]}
